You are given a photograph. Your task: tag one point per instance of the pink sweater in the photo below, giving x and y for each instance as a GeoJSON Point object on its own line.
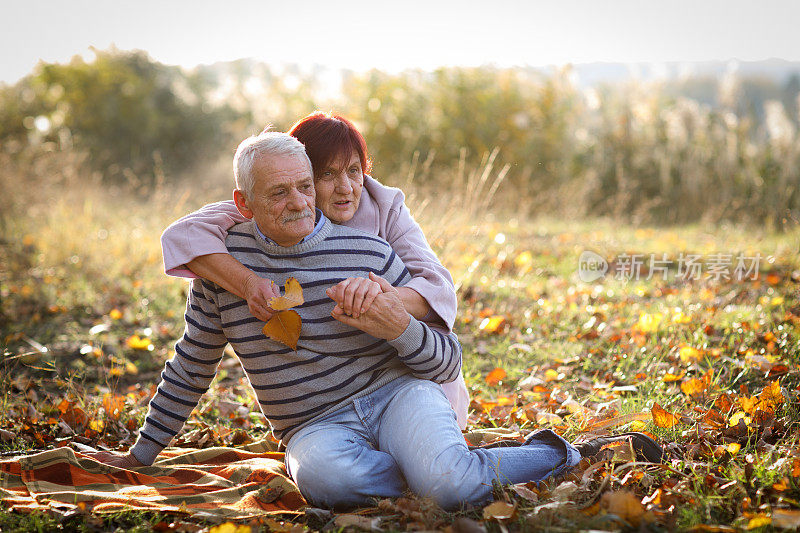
{"type": "Point", "coordinates": [381, 211]}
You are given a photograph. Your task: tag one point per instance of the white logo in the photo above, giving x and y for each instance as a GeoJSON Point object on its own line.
{"type": "Point", "coordinates": [591, 266]}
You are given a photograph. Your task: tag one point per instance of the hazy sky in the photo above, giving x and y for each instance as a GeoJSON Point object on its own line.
{"type": "Point", "coordinates": [400, 34]}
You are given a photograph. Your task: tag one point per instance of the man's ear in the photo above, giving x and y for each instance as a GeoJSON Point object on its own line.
{"type": "Point", "coordinates": [241, 203]}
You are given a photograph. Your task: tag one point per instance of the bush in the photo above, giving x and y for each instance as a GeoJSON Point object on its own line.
{"type": "Point", "coordinates": [132, 115]}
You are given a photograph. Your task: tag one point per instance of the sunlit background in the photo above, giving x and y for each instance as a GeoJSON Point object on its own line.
{"type": "Point", "coordinates": [674, 111]}
{"type": "Point", "coordinates": [361, 35]}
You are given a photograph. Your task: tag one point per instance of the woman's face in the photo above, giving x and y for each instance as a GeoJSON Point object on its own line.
{"type": "Point", "coordinates": [339, 187]}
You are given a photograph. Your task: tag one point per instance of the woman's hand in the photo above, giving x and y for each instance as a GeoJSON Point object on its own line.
{"type": "Point", "coordinates": [258, 292]}
{"type": "Point", "coordinates": [234, 277]}
{"type": "Point", "coordinates": [126, 461]}
{"type": "Point", "coordinates": [354, 296]}
{"type": "Point", "coordinates": [386, 318]}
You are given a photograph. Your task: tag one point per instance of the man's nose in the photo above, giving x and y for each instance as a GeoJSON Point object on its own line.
{"type": "Point", "coordinates": [296, 201]}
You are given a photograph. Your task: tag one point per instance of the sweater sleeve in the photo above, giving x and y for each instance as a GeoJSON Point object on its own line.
{"type": "Point", "coordinates": [186, 376]}
{"type": "Point", "coordinates": [199, 233]}
{"type": "Point", "coordinates": [429, 352]}
{"type": "Point", "coordinates": [429, 277]}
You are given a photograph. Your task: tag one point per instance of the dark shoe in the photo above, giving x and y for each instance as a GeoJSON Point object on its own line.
{"type": "Point", "coordinates": [646, 448]}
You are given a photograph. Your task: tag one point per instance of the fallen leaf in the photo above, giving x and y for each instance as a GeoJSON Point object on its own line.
{"type": "Point", "coordinates": [284, 327]}
{"type": "Point", "coordinates": [465, 525]}
{"type": "Point", "coordinates": [230, 527]}
{"type": "Point", "coordinates": [495, 376]}
{"type": "Point", "coordinates": [358, 521]}
{"type": "Point", "coordinates": [649, 323]}
{"type": "Point", "coordinates": [616, 421]}
{"type": "Point", "coordinates": [524, 492]}
{"type": "Point", "coordinates": [786, 518]}
{"type": "Point", "coordinates": [670, 377]}
{"type": "Point", "coordinates": [292, 296]}
{"type": "Point", "coordinates": [499, 510]}
{"type": "Point", "coordinates": [759, 520]}
{"type": "Point", "coordinates": [139, 343]}
{"type": "Point", "coordinates": [625, 505]}
{"type": "Point", "coordinates": [494, 324]}
{"type": "Point", "coordinates": [689, 354]}
{"type": "Point", "coordinates": [663, 418]}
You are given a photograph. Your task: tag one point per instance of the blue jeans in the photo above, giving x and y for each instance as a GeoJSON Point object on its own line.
{"type": "Point", "coordinates": [405, 436]}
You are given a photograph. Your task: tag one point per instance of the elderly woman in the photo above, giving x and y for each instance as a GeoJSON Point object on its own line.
{"type": "Point", "coordinates": [194, 246]}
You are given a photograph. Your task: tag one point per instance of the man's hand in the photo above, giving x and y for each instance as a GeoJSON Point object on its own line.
{"type": "Point", "coordinates": [386, 318]}
{"type": "Point", "coordinates": [257, 292]}
{"type": "Point", "coordinates": [354, 296]}
{"type": "Point", "coordinates": [120, 461]}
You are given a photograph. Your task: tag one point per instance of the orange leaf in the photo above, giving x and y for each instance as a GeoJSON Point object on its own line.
{"type": "Point", "coordinates": [284, 327]}
{"type": "Point", "coordinates": [113, 404]}
{"type": "Point", "coordinates": [292, 296]}
{"type": "Point", "coordinates": [614, 422]}
{"type": "Point", "coordinates": [693, 387]}
{"type": "Point", "coordinates": [772, 394]}
{"type": "Point", "coordinates": [625, 505]}
{"type": "Point", "coordinates": [662, 417]}
{"type": "Point", "coordinates": [495, 376]}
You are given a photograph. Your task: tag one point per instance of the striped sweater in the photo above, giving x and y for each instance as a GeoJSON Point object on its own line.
{"type": "Point", "coordinates": [333, 364]}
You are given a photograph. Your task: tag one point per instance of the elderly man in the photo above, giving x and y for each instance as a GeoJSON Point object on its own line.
{"type": "Point", "coordinates": [356, 403]}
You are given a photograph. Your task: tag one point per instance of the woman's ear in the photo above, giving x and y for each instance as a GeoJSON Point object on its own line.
{"type": "Point", "coordinates": [241, 203]}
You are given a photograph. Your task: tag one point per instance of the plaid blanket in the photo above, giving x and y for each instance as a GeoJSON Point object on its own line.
{"type": "Point", "coordinates": [213, 483]}
{"type": "Point", "coordinates": [229, 483]}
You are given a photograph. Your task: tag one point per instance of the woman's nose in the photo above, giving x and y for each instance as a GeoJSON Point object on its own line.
{"type": "Point", "coordinates": [343, 185]}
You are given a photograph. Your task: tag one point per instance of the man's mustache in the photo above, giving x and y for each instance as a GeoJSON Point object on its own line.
{"type": "Point", "coordinates": [302, 214]}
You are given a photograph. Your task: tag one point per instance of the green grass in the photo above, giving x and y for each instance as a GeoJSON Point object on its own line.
{"type": "Point", "coordinates": [82, 253]}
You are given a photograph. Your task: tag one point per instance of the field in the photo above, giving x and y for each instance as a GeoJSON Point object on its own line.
{"type": "Point", "coordinates": [708, 362]}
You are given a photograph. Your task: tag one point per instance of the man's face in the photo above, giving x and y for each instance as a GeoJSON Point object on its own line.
{"type": "Point", "coordinates": [339, 188]}
{"type": "Point", "coordinates": [282, 201]}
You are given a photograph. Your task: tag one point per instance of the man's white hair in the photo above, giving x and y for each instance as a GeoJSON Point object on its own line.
{"type": "Point", "coordinates": [265, 144]}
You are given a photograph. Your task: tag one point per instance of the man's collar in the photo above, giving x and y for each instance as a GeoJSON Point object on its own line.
{"type": "Point", "coordinates": [319, 221]}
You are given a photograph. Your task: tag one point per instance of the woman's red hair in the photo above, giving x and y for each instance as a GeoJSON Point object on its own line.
{"type": "Point", "coordinates": [329, 139]}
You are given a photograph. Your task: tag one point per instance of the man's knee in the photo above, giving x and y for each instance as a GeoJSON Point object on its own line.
{"type": "Point", "coordinates": [453, 481]}
{"type": "Point", "coordinates": [344, 473]}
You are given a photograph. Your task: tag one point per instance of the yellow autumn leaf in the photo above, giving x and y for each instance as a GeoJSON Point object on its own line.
{"type": "Point", "coordinates": [284, 327]}
{"type": "Point", "coordinates": [649, 323]}
{"type": "Point", "coordinates": [492, 324]}
{"type": "Point", "coordinates": [689, 354]}
{"type": "Point", "coordinates": [739, 415]}
{"type": "Point", "coordinates": [292, 296]}
{"type": "Point", "coordinates": [552, 375]}
{"type": "Point", "coordinates": [759, 520]}
{"type": "Point", "coordinates": [680, 317]}
{"type": "Point", "coordinates": [139, 343]}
